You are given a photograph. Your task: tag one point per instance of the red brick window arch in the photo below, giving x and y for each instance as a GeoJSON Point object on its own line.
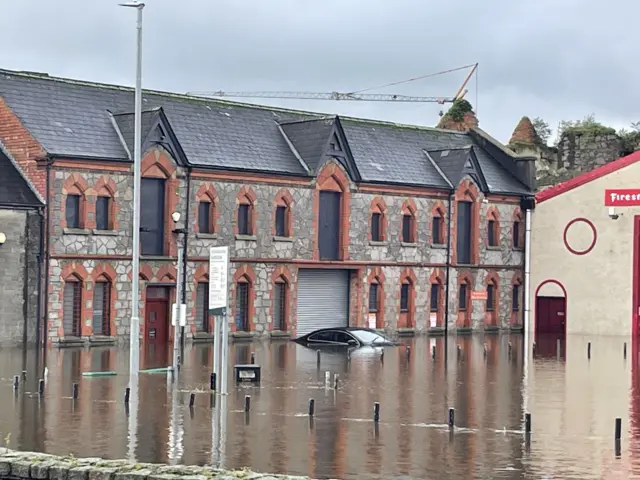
{"type": "Point", "coordinates": [407, 299]}
{"type": "Point", "coordinates": [378, 221]}
{"type": "Point", "coordinates": [493, 227]}
{"type": "Point", "coordinates": [281, 300]}
{"type": "Point", "coordinates": [467, 205]}
{"type": "Point", "coordinates": [243, 299]}
{"type": "Point", "coordinates": [74, 207]}
{"type": "Point", "coordinates": [207, 209]}
{"type": "Point", "coordinates": [106, 207]}
{"type": "Point", "coordinates": [492, 303]}
{"type": "Point", "coordinates": [409, 230]}
{"type": "Point", "coordinates": [246, 212]}
{"type": "Point", "coordinates": [516, 300]}
{"type": "Point", "coordinates": [376, 297]}
{"type": "Point", "coordinates": [202, 320]}
{"type": "Point", "coordinates": [103, 300]}
{"type": "Point", "coordinates": [72, 300]}
{"type": "Point", "coordinates": [283, 215]}
{"type": "Point", "coordinates": [437, 297]}
{"type": "Point", "coordinates": [465, 306]}
{"type": "Point", "coordinates": [517, 231]}
{"type": "Point", "coordinates": [438, 224]}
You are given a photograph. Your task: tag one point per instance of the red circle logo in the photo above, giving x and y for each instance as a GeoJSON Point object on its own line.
{"type": "Point", "coordinates": [594, 236]}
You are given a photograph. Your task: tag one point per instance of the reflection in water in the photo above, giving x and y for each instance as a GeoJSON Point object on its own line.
{"type": "Point", "coordinates": [573, 402]}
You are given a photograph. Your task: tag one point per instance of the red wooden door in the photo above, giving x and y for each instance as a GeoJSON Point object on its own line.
{"type": "Point", "coordinates": [551, 315]}
{"type": "Point", "coordinates": [157, 321]}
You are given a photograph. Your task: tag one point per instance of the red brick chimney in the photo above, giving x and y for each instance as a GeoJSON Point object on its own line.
{"type": "Point", "coordinates": [524, 133]}
{"type": "Point", "coordinates": [460, 117]}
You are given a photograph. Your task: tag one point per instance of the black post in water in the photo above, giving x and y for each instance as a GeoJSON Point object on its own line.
{"type": "Point", "coordinates": [16, 382]}
{"type": "Point", "coordinates": [41, 387]}
{"type": "Point", "coordinates": [312, 407]}
{"type": "Point", "coordinates": [618, 428]}
{"type": "Point", "coordinates": [127, 394]}
{"type": "Point", "coordinates": [335, 381]}
{"type": "Point", "coordinates": [253, 358]}
{"type": "Point", "coordinates": [459, 351]}
{"type": "Point", "coordinates": [485, 350]}
{"type": "Point", "coordinates": [192, 400]}
{"type": "Point", "coordinates": [247, 403]}
{"type": "Point", "coordinates": [376, 412]}
{"type": "Point", "coordinates": [527, 423]}
{"type": "Point", "coordinates": [624, 350]}
{"type": "Point", "coordinates": [24, 374]}
{"type": "Point", "coordinates": [589, 350]}
{"type": "Point", "coordinates": [382, 356]}
{"type": "Point", "coordinates": [510, 348]}
{"type": "Point", "coordinates": [534, 347]}
{"type": "Point", "coordinates": [452, 417]}
{"type": "Point", "coordinates": [408, 351]}
{"type": "Point", "coordinates": [318, 356]}
{"type": "Point", "coordinates": [433, 352]}
{"type": "Point", "coordinates": [75, 391]}
{"type": "Point", "coordinates": [212, 381]}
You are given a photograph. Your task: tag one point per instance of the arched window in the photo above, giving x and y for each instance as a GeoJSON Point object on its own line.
{"type": "Point", "coordinates": [102, 306]}
{"type": "Point", "coordinates": [516, 300]}
{"type": "Point", "coordinates": [206, 214]}
{"type": "Point", "coordinates": [246, 216]}
{"type": "Point", "coordinates": [202, 306]}
{"type": "Point", "coordinates": [466, 234]}
{"type": "Point", "coordinates": [438, 225]}
{"type": "Point", "coordinates": [464, 301]}
{"type": "Point", "coordinates": [75, 202]}
{"type": "Point", "coordinates": [243, 301]}
{"type": "Point", "coordinates": [493, 228]}
{"type": "Point", "coordinates": [280, 304]}
{"type": "Point", "coordinates": [378, 222]}
{"type": "Point", "coordinates": [72, 306]}
{"type": "Point", "coordinates": [517, 231]}
{"type": "Point", "coordinates": [283, 217]}
{"type": "Point", "coordinates": [436, 299]}
{"type": "Point", "coordinates": [106, 207]}
{"type": "Point", "coordinates": [492, 308]}
{"type": "Point", "coordinates": [407, 299]}
{"type": "Point", "coordinates": [409, 231]}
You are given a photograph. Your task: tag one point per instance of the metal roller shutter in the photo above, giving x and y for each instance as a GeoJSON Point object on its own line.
{"type": "Point", "coordinates": [323, 300]}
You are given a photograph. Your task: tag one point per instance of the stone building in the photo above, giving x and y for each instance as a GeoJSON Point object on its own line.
{"type": "Point", "coordinates": [329, 220]}
{"type": "Point", "coordinates": [21, 220]}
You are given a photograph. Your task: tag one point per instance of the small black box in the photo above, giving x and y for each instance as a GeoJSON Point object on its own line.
{"type": "Point", "coordinates": [247, 373]}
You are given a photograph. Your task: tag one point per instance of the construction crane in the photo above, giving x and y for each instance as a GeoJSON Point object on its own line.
{"type": "Point", "coordinates": [355, 96]}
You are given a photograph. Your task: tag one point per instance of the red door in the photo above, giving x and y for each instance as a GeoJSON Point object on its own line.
{"type": "Point", "coordinates": [157, 321]}
{"type": "Point", "coordinates": [551, 315]}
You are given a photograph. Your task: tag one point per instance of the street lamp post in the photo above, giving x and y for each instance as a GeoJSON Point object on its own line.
{"type": "Point", "coordinates": [134, 333]}
{"type": "Point", "coordinates": [180, 310]}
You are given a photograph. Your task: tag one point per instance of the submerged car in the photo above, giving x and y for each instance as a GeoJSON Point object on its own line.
{"type": "Point", "coordinates": [353, 337]}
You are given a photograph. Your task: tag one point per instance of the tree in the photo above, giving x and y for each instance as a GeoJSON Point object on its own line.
{"type": "Point", "coordinates": [542, 129]}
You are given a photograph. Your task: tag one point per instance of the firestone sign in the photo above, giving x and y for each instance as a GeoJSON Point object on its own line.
{"type": "Point", "coordinates": [622, 197]}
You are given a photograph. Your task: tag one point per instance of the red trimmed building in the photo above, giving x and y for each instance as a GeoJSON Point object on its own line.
{"type": "Point", "coordinates": [330, 221]}
{"type": "Point", "coordinates": [585, 240]}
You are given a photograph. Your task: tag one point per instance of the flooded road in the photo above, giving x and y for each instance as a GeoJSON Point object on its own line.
{"type": "Point", "coordinates": [573, 402]}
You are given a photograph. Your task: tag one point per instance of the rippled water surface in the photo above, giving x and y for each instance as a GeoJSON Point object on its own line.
{"type": "Point", "coordinates": [573, 401]}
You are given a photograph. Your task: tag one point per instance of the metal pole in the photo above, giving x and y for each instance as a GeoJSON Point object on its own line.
{"type": "Point", "coordinates": [217, 327]}
{"type": "Point", "coordinates": [178, 311]}
{"type": "Point", "coordinates": [224, 357]}
{"type": "Point", "coordinates": [134, 334]}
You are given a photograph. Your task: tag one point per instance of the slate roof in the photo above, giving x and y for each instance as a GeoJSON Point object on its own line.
{"type": "Point", "coordinates": [72, 118]}
{"type": "Point", "coordinates": [15, 189]}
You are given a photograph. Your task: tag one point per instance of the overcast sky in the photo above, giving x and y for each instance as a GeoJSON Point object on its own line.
{"type": "Point", "coordinates": [557, 59]}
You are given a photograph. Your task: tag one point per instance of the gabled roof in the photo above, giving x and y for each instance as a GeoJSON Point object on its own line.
{"type": "Point", "coordinates": [15, 189]}
{"type": "Point", "coordinates": [587, 177]}
{"type": "Point", "coordinates": [72, 118]}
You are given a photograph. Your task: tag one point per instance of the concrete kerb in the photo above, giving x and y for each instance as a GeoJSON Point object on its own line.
{"type": "Point", "coordinates": [39, 466]}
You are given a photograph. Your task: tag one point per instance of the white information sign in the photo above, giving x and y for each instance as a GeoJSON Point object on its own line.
{"type": "Point", "coordinates": [218, 268]}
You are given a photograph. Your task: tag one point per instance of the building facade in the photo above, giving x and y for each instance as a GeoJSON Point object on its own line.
{"type": "Point", "coordinates": [585, 239]}
{"type": "Point", "coordinates": [330, 221]}
{"type": "Point", "coordinates": [21, 221]}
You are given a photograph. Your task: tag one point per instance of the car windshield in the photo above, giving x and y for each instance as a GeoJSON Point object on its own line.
{"type": "Point", "coordinates": [368, 337]}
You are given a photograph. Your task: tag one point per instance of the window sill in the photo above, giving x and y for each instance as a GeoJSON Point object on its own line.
{"type": "Point", "coordinates": [518, 249]}
{"type": "Point", "coordinates": [435, 331]}
{"type": "Point", "coordinates": [279, 334]}
{"type": "Point", "coordinates": [100, 340]}
{"type": "Point", "coordinates": [409, 244]}
{"type": "Point", "coordinates": [495, 248]}
{"type": "Point", "coordinates": [377, 243]}
{"type": "Point", "coordinates": [202, 337]}
{"type": "Point", "coordinates": [76, 231]}
{"type": "Point", "coordinates": [406, 332]}
{"type": "Point", "coordinates": [207, 236]}
{"type": "Point", "coordinates": [242, 335]}
{"type": "Point", "coordinates": [439, 246]}
{"type": "Point", "coordinates": [246, 238]}
{"type": "Point", "coordinates": [106, 233]}
{"type": "Point", "coordinates": [283, 239]}
{"type": "Point", "coordinates": [464, 330]}
{"type": "Point", "coordinates": [491, 328]}
{"type": "Point", "coordinates": [157, 257]}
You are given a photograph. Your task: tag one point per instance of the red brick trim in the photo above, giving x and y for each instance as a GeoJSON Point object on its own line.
{"type": "Point", "coordinates": [437, 277]}
{"type": "Point", "coordinates": [376, 276]}
{"type": "Point", "coordinates": [284, 199]}
{"type": "Point", "coordinates": [76, 184]}
{"type": "Point", "coordinates": [281, 274]}
{"type": "Point", "coordinates": [207, 193]}
{"type": "Point", "coordinates": [106, 187]}
{"type": "Point", "coordinates": [515, 318]}
{"type": "Point", "coordinates": [331, 177]}
{"type": "Point", "coordinates": [438, 214]}
{"type": "Point", "coordinates": [167, 274]}
{"type": "Point", "coordinates": [409, 208]}
{"type": "Point", "coordinates": [464, 317]}
{"type": "Point", "coordinates": [493, 214]}
{"type": "Point", "coordinates": [244, 274]}
{"type": "Point", "coordinates": [246, 196]}
{"type": "Point", "coordinates": [491, 317]}
{"type": "Point", "coordinates": [378, 205]}
{"type": "Point", "coordinates": [201, 275]}
{"type": "Point", "coordinates": [517, 218]}
{"type": "Point", "coordinates": [407, 319]}
{"type": "Point", "coordinates": [466, 192]}
{"type": "Point", "coordinates": [76, 272]}
{"type": "Point", "coordinates": [106, 272]}
{"type": "Point", "coordinates": [356, 277]}
{"type": "Point", "coordinates": [587, 177]}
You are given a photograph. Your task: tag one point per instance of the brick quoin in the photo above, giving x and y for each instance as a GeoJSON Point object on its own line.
{"type": "Point", "coordinates": [355, 297]}
{"type": "Point", "coordinates": [281, 274]}
{"type": "Point", "coordinates": [376, 277]}
{"type": "Point", "coordinates": [244, 274]}
{"type": "Point", "coordinates": [407, 319]}
{"type": "Point", "coordinates": [491, 318]}
{"type": "Point", "coordinates": [23, 147]}
{"type": "Point", "coordinates": [437, 278]}
{"type": "Point", "coordinates": [466, 192]}
{"type": "Point", "coordinates": [464, 317]}
{"type": "Point", "coordinates": [207, 193]}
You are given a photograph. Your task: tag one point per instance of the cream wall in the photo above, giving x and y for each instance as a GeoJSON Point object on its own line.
{"type": "Point", "coordinates": [598, 284]}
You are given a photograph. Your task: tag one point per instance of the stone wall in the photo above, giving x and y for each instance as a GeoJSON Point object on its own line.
{"type": "Point", "coordinates": [19, 291]}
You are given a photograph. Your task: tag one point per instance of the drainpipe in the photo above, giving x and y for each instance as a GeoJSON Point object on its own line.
{"type": "Point", "coordinates": [45, 320]}
{"type": "Point", "coordinates": [41, 213]}
{"type": "Point", "coordinates": [527, 273]}
{"type": "Point", "coordinates": [448, 266]}
{"type": "Point", "coordinates": [185, 256]}
{"type": "Point", "coordinates": [25, 283]}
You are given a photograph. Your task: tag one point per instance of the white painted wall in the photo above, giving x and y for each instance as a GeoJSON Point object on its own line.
{"type": "Point", "coordinates": [598, 284]}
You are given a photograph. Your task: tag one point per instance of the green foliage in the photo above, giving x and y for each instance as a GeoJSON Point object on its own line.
{"type": "Point", "coordinates": [587, 126]}
{"type": "Point", "coordinates": [542, 129]}
{"type": "Point", "coordinates": [458, 109]}
{"type": "Point", "coordinates": [630, 138]}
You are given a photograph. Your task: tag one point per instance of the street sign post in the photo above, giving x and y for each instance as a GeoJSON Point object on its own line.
{"type": "Point", "coordinates": [218, 302]}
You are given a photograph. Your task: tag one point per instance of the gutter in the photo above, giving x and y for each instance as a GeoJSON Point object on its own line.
{"type": "Point", "coordinates": [448, 265]}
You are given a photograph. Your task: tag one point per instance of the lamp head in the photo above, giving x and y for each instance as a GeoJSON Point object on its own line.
{"type": "Point", "coordinates": [3, 238]}
{"type": "Point", "coordinates": [132, 4]}
{"type": "Point", "coordinates": [175, 216]}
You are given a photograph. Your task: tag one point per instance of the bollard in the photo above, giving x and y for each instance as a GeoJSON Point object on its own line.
{"type": "Point", "coordinates": [408, 351]}
{"type": "Point", "coordinates": [527, 423]}
{"type": "Point", "coordinates": [589, 350]}
{"type": "Point", "coordinates": [127, 393]}
{"type": "Point", "coordinates": [382, 356]}
{"type": "Point", "coordinates": [485, 350]}
{"type": "Point", "coordinates": [318, 356]}
{"type": "Point", "coordinates": [376, 412]}
{"type": "Point", "coordinates": [433, 352]}
{"type": "Point", "coordinates": [618, 429]}
{"type": "Point", "coordinates": [212, 381]}
{"type": "Point", "coordinates": [624, 350]}
{"type": "Point", "coordinates": [75, 391]}
{"type": "Point", "coordinates": [247, 403]}
{"type": "Point", "coordinates": [327, 378]}
{"type": "Point", "coordinates": [510, 347]}
{"type": "Point", "coordinates": [41, 387]}
{"type": "Point", "coordinates": [459, 351]}
{"type": "Point", "coordinates": [16, 382]}
{"type": "Point", "coordinates": [348, 355]}
{"type": "Point", "coordinates": [24, 374]}
{"type": "Point", "coordinates": [192, 400]}
{"type": "Point", "coordinates": [335, 381]}
{"type": "Point", "coordinates": [312, 407]}
{"type": "Point", "coordinates": [253, 358]}
{"type": "Point", "coordinates": [452, 416]}
{"type": "Point", "coordinates": [533, 348]}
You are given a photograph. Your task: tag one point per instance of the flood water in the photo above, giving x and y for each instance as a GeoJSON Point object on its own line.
{"type": "Point", "coordinates": [573, 402]}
